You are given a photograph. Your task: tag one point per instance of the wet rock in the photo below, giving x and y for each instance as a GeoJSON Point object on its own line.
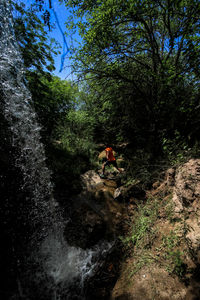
{"type": "Point", "coordinates": [94, 214]}
{"type": "Point", "coordinates": [91, 180]}
{"type": "Point", "coordinates": [85, 227]}
{"type": "Point", "coordinates": [103, 281]}
{"type": "Point", "coordinates": [124, 193]}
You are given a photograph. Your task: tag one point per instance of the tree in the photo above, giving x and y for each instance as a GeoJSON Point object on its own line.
{"type": "Point", "coordinates": [148, 52]}
{"type": "Point", "coordinates": [52, 98]}
{"type": "Point", "coordinates": [36, 47]}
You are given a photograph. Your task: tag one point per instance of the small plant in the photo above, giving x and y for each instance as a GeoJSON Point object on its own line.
{"type": "Point", "coordinates": [170, 241]}
{"type": "Point", "coordinates": [143, 231]}
{"type": "Point", "coordinates": [173, 255]}
{"type": "Point", "coordinates": [177, 265]}
{"type": "Point", "coordinates": [143, 260]}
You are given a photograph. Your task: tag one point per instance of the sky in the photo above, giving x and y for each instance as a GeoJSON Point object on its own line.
{"type": "Point", "coordinates": [62, 13]}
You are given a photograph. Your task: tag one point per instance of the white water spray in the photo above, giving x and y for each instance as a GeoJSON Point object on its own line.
{"type": "Point", "coordinates": [58, 261]}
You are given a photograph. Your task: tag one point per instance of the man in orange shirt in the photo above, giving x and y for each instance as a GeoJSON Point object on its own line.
{"type": "Point", "coordinates": [110, 160]}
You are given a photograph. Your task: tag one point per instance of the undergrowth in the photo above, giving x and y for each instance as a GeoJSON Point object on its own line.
{"type": "Point", "coordinates": [145, 233]}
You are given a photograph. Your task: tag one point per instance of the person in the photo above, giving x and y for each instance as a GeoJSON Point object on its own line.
{"type": "Point", "coordinates": [110, 160]}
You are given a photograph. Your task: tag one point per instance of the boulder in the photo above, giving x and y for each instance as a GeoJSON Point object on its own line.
{"type": "Point", "coordinates": [91, 180]}
{"type": "Point", "coordinates": [94, 215]}
{"type": "Point", "coordinates": [124, 193]}
{"type": "Point", "coordinates": [85, 227]}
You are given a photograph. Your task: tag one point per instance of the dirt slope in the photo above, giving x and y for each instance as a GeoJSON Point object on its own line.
{"type": "Point", "coordinates": [163, 244]}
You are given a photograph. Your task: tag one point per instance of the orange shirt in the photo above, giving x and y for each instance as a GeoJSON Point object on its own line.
{"type": "Point", "coordinates": [110, 154]}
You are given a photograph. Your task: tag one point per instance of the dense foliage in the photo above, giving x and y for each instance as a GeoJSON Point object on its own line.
{"type": "Point", "coordinates": [55, 101]}
{"type": "Point", "coordinates": [35, 45]}
{"type": "Point", "coordinates": [137, 71]}
{"type": "Point", "coordinates": [140, 61]}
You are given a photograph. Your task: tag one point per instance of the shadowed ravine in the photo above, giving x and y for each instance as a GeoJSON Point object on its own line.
{"type": "Point", "coordinates": [36, 261]}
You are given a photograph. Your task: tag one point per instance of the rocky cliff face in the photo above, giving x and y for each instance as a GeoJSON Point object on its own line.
{"type": "Point", "coordinates": [163, 260]}
{"type": "Point", "coordinates": [186, 198]}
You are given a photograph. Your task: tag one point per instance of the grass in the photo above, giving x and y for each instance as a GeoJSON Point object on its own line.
{"type": "Point", "coordinates": [142, 230]}
{"type": "Point", "coordinates": [143, 260]}
{"type": "Point", "coordinates": [144, 233]}
{"type": "Point", "coordinates": [173, 255]}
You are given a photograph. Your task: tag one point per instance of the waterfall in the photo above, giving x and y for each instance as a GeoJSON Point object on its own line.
{"type": "Point", "coordinates": [22, 119]}
{"type": "Point", "coordinates": [46, 265]}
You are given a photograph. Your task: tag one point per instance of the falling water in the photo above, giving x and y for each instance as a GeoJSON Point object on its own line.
{"type": "Point", "coordinates": [50, 265]}
{"type": "Point", "coordinates": [22, 119]}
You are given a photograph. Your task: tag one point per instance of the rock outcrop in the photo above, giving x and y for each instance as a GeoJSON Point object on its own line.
{"type": "Point", "coordinates": [186, 198]}
{"type": "Point", "coordinates": [95, 214]}
{"type": "Point", "coordinates": [187, 186]}
{"type": "Point", "coordinates": [124, 193]}
{"type": "Point", "coordinates": [147, 273]}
